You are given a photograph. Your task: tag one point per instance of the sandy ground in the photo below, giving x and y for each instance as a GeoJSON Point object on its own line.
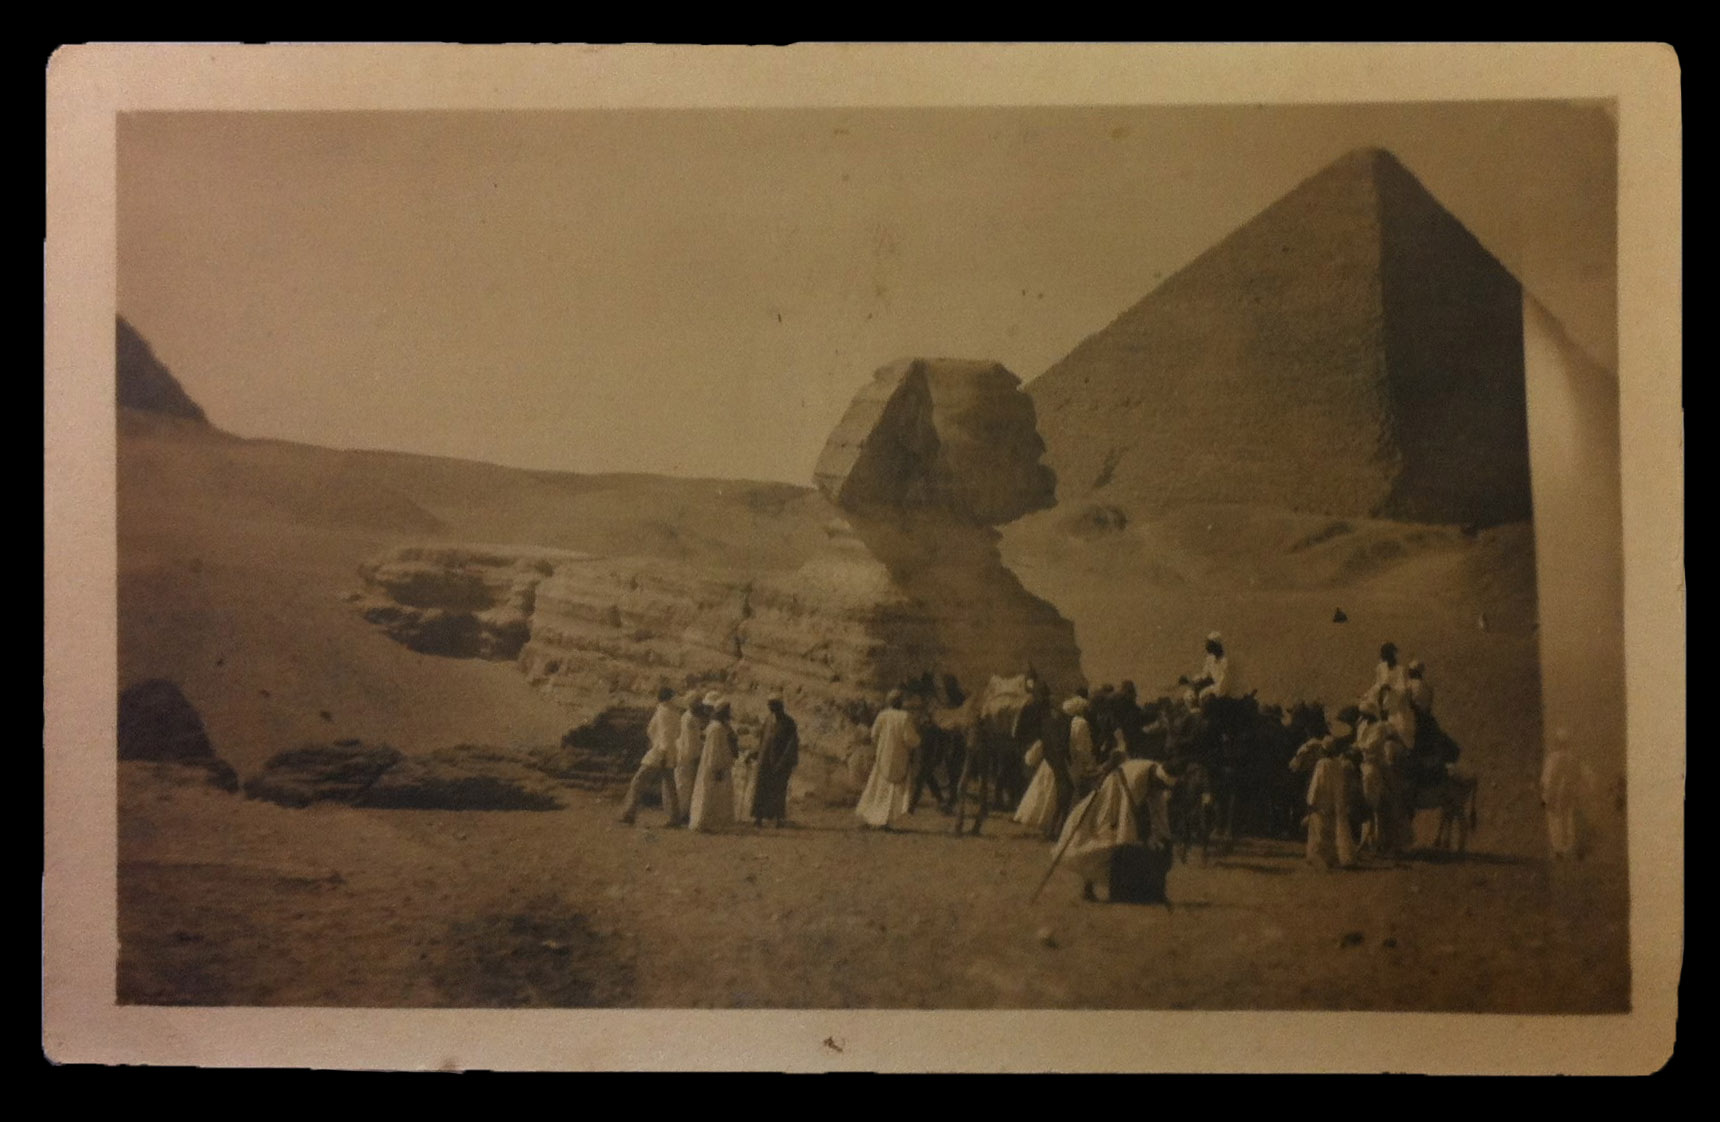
{"type": "Point", "coordinates": [235, 556]}
{"type": "Point", "coordinates": [227, 901]}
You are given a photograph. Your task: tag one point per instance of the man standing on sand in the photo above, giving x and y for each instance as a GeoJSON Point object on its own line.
{"type": "Point", "coordinates": [1378, 745]}
{"type": "Point", "coordinates": [1084, 760]}
{"type": "Point", "coordinates": [1330, 794]}
{"type": "Point", "coordinates": [689, 747]}
{"type": "Point", "coordinates": [658, 766]}
{"type": "Point", "coordinates": [1054, 736]}
{"type": "Point", "coordinates": [778, 753]}
{"type": "Point", "coordinates": [1128, 720]}
{"type": "Point", "coordinates": [894, 737]}
{"type": "Point", "coordinates": [1028, 728]}
{"type": "Point", "coordinates": [713, 804]}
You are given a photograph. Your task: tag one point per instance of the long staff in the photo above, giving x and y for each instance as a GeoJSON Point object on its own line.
{"type": "Point", "coordinates": [1092, 801]}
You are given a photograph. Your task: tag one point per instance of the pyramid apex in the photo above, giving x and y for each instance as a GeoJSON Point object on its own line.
{"type": "Point", "coordinates": [1372, 156]}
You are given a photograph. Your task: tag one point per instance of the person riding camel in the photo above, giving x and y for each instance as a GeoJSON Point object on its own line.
{"type": "Point", "coordinates": [1214, 672]}
{"type": "Point", "coordinates": [1417, 708]}
{"type": "Point", "coordinates": [1391, 683]}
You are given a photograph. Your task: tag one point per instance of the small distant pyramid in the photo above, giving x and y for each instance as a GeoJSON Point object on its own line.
{"type": "Point", "coordinates": [1352, 350]}
{"type": "Point", "coordinates": [142, 382]}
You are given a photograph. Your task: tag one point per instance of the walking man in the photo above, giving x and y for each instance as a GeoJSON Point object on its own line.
{"type": "Point", "coordinates": [778, 753]}
{"type": "Point", "coordinates": [712, 807]}
{"type": "Point", "coordinates": [889, 787]}
{"type": "Point", "coordinates": [658, 766]}
{"type": "Point", "coordinates": [689, 747]}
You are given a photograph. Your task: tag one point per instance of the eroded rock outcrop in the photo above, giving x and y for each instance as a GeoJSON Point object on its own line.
{"type": "Point", "coordinates": [456, 601]}
{"type": "Point", "coordinates": [945, 436]}
{"type": "Point", "coordinates": [930, 457]}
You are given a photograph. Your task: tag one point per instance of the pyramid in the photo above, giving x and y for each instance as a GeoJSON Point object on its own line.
{"type": "Point", "coordinates": [1352, 350]}
{"type": "Point", "coordinates": [142, 382]}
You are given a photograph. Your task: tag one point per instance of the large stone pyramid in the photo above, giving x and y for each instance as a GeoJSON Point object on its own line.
{"type": "Point", "coordinates": [142, 382]}
{"type": "Point", "coordinates": [1352, 350]}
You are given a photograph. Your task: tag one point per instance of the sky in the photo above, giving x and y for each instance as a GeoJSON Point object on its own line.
{"type": "Point", "coordinates": [700, 292]}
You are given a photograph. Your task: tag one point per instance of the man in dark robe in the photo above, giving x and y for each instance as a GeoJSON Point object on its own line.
{"type": "Point", "coordinates": [1054, 735]}
{"type": "Point", "coordinates": [1028, 727]}
{"type": "Point", "coordinates": [778, 753]}
{"type": "Point", "coordinates": [1127, 719]}
{"type": "Point", "coordinates": [1101, 717]}
{"type": "Point", "coordinates": [1188, 735]}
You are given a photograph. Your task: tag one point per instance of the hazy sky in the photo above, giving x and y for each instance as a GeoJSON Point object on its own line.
{"type": "Point", "coordinates": [701, 292]}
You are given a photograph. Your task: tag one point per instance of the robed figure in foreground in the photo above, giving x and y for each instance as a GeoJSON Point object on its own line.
{"type": "Point", "coordinates": [894, 737]}
{"type": "Point", "coordinates": [1113, 836]}
{"type": "Point", "coordinates": [778, 753]}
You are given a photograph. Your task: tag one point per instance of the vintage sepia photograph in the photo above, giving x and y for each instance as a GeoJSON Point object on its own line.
{"type": "Point", "coordinates": [1152, 556]}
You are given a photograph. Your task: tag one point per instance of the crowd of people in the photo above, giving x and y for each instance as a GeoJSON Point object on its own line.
{"type": "Point", "coordinates": [1197, 743]}
{"type": "Point", "coordinates": [706, 782]}
{"type": "Point", "coordinates": [1100, 765]}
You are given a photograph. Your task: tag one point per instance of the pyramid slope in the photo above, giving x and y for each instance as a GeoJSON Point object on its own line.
{"type": "Point", "coordinates": [1337, 354]}
{"type": "Point", "coordinates": [141, 381]}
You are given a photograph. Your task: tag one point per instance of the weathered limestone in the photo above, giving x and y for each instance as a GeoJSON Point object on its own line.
{"type": "Point", "coordinates": [930, 456]}
{"type": "Point", "coordinates": [946, 435]}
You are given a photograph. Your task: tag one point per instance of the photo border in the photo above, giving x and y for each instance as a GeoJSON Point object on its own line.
{"type": "Point", "coordinates": [88, 86]}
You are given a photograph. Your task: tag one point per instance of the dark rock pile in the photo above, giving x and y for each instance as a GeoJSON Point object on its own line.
{"type": "Point", "coordinates": [340, 772]}
{"type": "Point", "coordinates": [158, 725]}
{"type": "Point", "coordinates": [601, 753]}
{"type": "Point", "coordinates": [464, 777]}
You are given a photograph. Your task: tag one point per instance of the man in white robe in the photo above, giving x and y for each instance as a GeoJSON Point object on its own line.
{"type": "Point", "coordinates": [1563, 780]}
{"type": "Point", "coordinates": [1111, 816]}
{"type": "Point", "coordinates": [658, 765]}
{"type": "Point", "coordinates": [713, 804]}
{"type": "Point", "coordinates": [1329, 799]}
{"type": "Point", "coordinates": [1215, 677]}
{"type": "Point", "coordinates": [1084, 764]}
{"type": "Point", "coordinates": [689, 746]}
{"type": "Point", "coordinates": [1385, 829]}
{"type": "Point", "coordinates": [890, 786]}
{"type": "Point", "coordinates": [1391, 682]}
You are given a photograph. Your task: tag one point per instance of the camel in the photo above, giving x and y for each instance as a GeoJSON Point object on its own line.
{"type": "Point", "coordinates": [990, 745]}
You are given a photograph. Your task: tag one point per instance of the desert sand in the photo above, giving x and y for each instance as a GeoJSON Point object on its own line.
{"type": "Point", "coordinates": [239, 561]}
